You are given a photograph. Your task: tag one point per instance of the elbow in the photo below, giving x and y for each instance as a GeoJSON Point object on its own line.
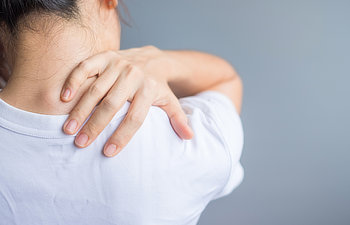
{"type": "Point", "coordinates": [238, 92]}
{"type": "Point", "coordinates": [237, 89]}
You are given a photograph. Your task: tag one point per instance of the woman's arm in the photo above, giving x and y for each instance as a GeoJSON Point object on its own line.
{"type": "Point", "coordinates": [189, 72]}
{"type": "Point", "coordinates": [142, 76]}
{"type": "Point", "coordinates": [193, 72]}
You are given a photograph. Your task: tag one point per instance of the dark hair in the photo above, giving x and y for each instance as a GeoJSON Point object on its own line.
{"type": "Point", "coordinates": [11, 11]}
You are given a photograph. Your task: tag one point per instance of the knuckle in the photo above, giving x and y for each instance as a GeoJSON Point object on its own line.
{"type": "Point", "coordinates": [120, 63]}
{"type": "Point", "coordinates": [124, 62]}
{"type": "Point", "coordinates": [77, 114]}
{"type": "Point", "coordinates": [129, 65]}
{"type": "Point", "coordinates": [108, 103]}
{"type": "Point", "coordinates": [151, 84]}
{"type": "Point", "coordinates": [144, 93]}
{"type": "Point", "coordinates": [91, 129]}
{"type": "Point", "coordinates": [135, 119]}
{"type": "Point", "coordinates": [150, 89]}
{"type": "Point", "coordinates": [96, 90]}
{"type": "Point", "coordinates": [115, 59]}
{"type": "Point", "coordinates": [73, 81]}
{"type": "Point", "coordinates": [149, 47]}
{"type": "Point", "coordinates": [111, 53]}
{"type": "Point", "coordinates": [114, 64]}
{"type": "Point", "coordinates": [135, 69]}
{"type": "Point", "coordinates": [84, 66]}
{"type": "Point", "coordinates": [147, 91]}
{"type": "Point", "coordinates": [135, 72]}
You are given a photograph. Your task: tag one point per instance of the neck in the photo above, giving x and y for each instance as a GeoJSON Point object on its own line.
{"type": "Point", "coordinates": [41, 65]}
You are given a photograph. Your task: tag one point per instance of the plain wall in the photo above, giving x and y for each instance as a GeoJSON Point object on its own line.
{"type": "Point", "coordinates": [294, 59]}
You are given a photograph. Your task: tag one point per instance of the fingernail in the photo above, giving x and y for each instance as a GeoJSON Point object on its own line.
{"type": "Point", "coordinates": [66, 94]}
{"type": "Point", "coordinates": [72, 126]}
{"type": "Point", "coordinates": [111, 150]}
{"type": "Point", "coordinates": [81, 140]}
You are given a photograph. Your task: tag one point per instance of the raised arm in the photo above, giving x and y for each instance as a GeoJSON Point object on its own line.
{"type": "Point", "coordinates": [144, 76]}
{"type": "Point", "coordinates": [194, 72]}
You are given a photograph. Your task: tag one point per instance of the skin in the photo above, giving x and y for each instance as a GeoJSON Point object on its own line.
{"type": "Point", "coordinates": [144, 76]}
{"type": "Point", "coordinates": [4, 68]}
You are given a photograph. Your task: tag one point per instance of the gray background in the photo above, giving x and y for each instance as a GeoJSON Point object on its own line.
{"type": "Point", "coordinates": [293, 57]}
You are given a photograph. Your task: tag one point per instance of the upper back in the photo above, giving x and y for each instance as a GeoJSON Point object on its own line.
{"type": "Point", "coordinates": [157, 179]}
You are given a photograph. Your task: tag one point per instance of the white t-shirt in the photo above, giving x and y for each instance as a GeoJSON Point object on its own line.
{"type": "Point", "coordinates": [157, 179]}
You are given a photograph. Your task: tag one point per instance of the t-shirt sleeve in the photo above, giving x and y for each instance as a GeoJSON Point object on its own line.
{"type": "Point", "coordinates": [218, 137]}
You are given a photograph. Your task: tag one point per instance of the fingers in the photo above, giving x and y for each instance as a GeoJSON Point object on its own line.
{"type": "Point", "coordinates": [120, 81]}
{"type": "Point", "coordinates": [91, 98]}
{"type": "Point", "coordinates": [88, 68]}
{"type": "Point", "coordinates": [104, 113]}
{"type": "Point", "coordinates": [132, 122]}
{"type": "Point", "coordinates": [177, 117]}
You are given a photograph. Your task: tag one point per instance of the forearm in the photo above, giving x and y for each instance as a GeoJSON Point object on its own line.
{"type": "Point", "coordinates": [192, 72]}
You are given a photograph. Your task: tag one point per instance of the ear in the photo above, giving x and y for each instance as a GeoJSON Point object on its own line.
{"type": "Point", "coordinates": [111, 4]}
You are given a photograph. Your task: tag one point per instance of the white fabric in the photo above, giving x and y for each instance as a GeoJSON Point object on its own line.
{"type": "Point", "coordinates": [157, 179]}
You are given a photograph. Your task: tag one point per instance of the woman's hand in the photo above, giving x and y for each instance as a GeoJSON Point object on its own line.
{"type": "Point", "coordinates": [128, 75]}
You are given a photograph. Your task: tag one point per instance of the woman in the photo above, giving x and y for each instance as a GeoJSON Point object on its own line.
{"type": "Point", "coordinates": [158, 178]}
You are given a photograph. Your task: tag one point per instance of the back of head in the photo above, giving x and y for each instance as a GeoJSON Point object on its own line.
{"type": "Point", "coordinates": [12, 11]}
{"type": "Point", "coordinates": [95, 20]}
{"type": "Point", "coordinates": [14, 16]}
